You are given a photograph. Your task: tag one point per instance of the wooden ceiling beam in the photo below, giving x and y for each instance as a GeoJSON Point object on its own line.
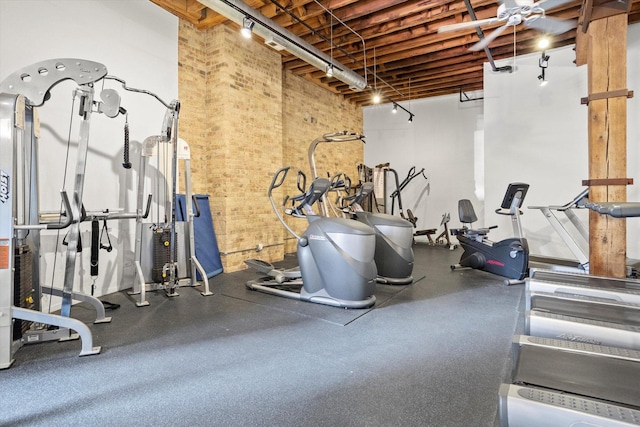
{"type": "Point", "coordinates": [404, 44]}
{"type": "Point", "coordinates": [394, 19]}
{"type": "Point", "coordinates": [410, 54]}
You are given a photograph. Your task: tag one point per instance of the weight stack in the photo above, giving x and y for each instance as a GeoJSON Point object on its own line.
{"type": "Point", "coordinates": [23, 288]}
{"type": "Point", "coordinates": [161, 253]}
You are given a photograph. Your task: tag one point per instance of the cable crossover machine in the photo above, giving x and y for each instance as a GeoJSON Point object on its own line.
{"type": "Point", "coordinates": [22, 320]}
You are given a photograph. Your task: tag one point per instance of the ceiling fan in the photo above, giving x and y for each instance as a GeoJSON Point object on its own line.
{"type": "Point", "coordinates": [515, 12]}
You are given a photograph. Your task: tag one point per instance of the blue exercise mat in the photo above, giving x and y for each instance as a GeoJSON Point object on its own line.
{"type": "Point", "coordinates": [206, 244]}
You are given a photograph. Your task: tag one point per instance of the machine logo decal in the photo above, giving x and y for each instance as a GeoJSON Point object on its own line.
{"type": "Point", "coordinates": [316, 237]}
{"type": "Point", "coordinates": [494, 262]}
{"type": "Point", "coordinates": [4, 186]}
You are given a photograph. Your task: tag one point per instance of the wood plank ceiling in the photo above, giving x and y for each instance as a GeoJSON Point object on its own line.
{"type": "Point", "coordinates": [404, 51]}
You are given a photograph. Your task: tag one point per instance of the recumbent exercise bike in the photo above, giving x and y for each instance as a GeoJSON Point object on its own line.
{"type": "Point", "coordinates": [509, 257]}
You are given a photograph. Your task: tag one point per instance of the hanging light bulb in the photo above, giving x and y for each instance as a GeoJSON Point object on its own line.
{"type": "Point", "coordinates": [410, 118]}
{"type": "Point", "coordinates": [395, 108]}
{"type": "Point", "coordinates": [376, 98]}
{"type": "Point", "coordinates": [543, 43]}
{"type": "Point", "coordinates": [247, 28]}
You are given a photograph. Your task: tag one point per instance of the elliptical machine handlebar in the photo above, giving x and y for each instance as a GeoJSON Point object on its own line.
{"type": "Point", "coordinates": [354, 202]}
{"type": "Point", "coordinates": [301, 186]}
{"type": "Point", "coordinates": [342, 136]}
{"type": "Point", "coordinates": [316, 190]}
{"type": "Point", "coordinates": [278, 179]}
{"type": "Point", "coordinates": [337, 183]}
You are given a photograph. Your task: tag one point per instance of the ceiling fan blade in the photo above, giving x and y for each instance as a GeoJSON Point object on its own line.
{"type": "Point", "coordinates": [463, 25]}
{"type": "Point", "coordinates": [550, 4]}
{"type": "Point", "coordinates": [550, 25]}
{"type": "Point", "coordinates": [491, 37]}
{"type": "Point", "coordinates": [510, 4]}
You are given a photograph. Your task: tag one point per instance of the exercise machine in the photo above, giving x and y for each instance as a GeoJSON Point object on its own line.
{"type": "Point", "coordinates": [583, 318]}
{"type": "Point", "coordinates": [393, 251]}
{"type": "Point", "coordinates": [558, 383]}
{"type": "Point", "coordinates": [509, 257]}
{"type": "Point", "coordinates": [20, 225]}
{"type": "Point", "coordinates": [606, 316]}
{"type": "Point", "coordinates": [577, 241]}
{"type": "Point", "coordinates": [563, 282]}
{"type": "Point", "coordinates": [396, 194]}
{"type": "Point", "coordinates": [582, 378]}
{"type": "Point", "coordinates": [165, 249]}
{"type": "Point", "coordinates": [335, 255]}
{"type": "Point", "coordinates": [441, 239]}
{"type": "Point", "coordinates": [394, 254]}
{"type": "Point", "coordinates": [575, 234]}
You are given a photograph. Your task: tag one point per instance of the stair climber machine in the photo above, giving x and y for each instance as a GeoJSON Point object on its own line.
{"type": "Point", "coordinates": [335, 255]}
{"type": "Point", "coordinates": [509, 257]}
{"type": "Point", "coordinates": [394, 235]}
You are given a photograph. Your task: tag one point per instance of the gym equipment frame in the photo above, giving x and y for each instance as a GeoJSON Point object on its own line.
{"type": "Point", "coordinates": [509, 257]}
{"type": "Point", "coordinates": [20, 224]}
{"type": "Point", "coordinates": [561, 384]}
{"type": "Point", "coordinates": [394, 236]}
{"type": "Point", "coordinates": [170, 278]}
{"type": "Point", "coordinates": [335, 255]}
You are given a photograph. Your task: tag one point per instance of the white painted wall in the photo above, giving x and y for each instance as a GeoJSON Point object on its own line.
{"type": "Point", "coordinates": [137, 41]}
{"type": "Point", "coordinates": [532, 134]}
{"type": "Point", "coordinates": [441, 140]}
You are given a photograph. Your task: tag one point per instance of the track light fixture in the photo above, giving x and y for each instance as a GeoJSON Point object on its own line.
{"type": "Point", "coordinates": [543, 80]}
{"type": "Point", "coordinates": [377, 98]}
{"type": "Point", "coordinates": [329, 70]}
{"type": "Point", "coordinates": [247, 28]}
{"type": "Point", "coordinates": [543, 63]}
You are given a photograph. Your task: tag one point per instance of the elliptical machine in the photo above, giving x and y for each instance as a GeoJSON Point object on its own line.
{"type": "Point", "coordinates": [394, 235]}
{"type": "Point", "coordinates": [335, 255]}
{"type": "Point", "coordinates": [509, 257]}
{"type": "Point", "coordinates": [394, 239]}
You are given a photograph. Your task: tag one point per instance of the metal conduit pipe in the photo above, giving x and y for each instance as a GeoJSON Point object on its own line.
{"type": "Point", "coordinates": [237, 11]}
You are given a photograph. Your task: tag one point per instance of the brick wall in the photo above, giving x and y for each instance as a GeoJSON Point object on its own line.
{"type": "Point", "coordinates": [244, 119]}
{"type": "Point", "coordinates": [309, 112]}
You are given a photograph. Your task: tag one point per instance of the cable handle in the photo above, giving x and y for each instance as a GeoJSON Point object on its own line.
{"type": "Point", "coordinates": [195, 204]}
{"type": "Point", "coordinates": [127, 163]}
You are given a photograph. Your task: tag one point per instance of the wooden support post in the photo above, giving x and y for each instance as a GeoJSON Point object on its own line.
{"type": "Point", "coordinates": [607, 122]}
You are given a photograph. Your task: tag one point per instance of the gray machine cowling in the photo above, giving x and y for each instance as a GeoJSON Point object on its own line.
{"type": "Point", "coordinates": [338, 255]}
{"type": "Point", "coordinates": [394, 238]}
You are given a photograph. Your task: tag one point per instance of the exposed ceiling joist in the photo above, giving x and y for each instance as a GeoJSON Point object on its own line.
{"type": "Point", "coordinates": [409, 52]}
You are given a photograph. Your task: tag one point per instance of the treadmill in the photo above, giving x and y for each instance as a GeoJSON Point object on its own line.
{"type": "Point", "coordinates": [560, 383]}
{"type": "Point", "coordinates": [583, 318]}
{"type": "Point", "coordinates": [624, 290]}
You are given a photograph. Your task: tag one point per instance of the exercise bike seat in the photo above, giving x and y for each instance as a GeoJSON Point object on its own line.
{"type": "Point", "coordinates": [468, 216]}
